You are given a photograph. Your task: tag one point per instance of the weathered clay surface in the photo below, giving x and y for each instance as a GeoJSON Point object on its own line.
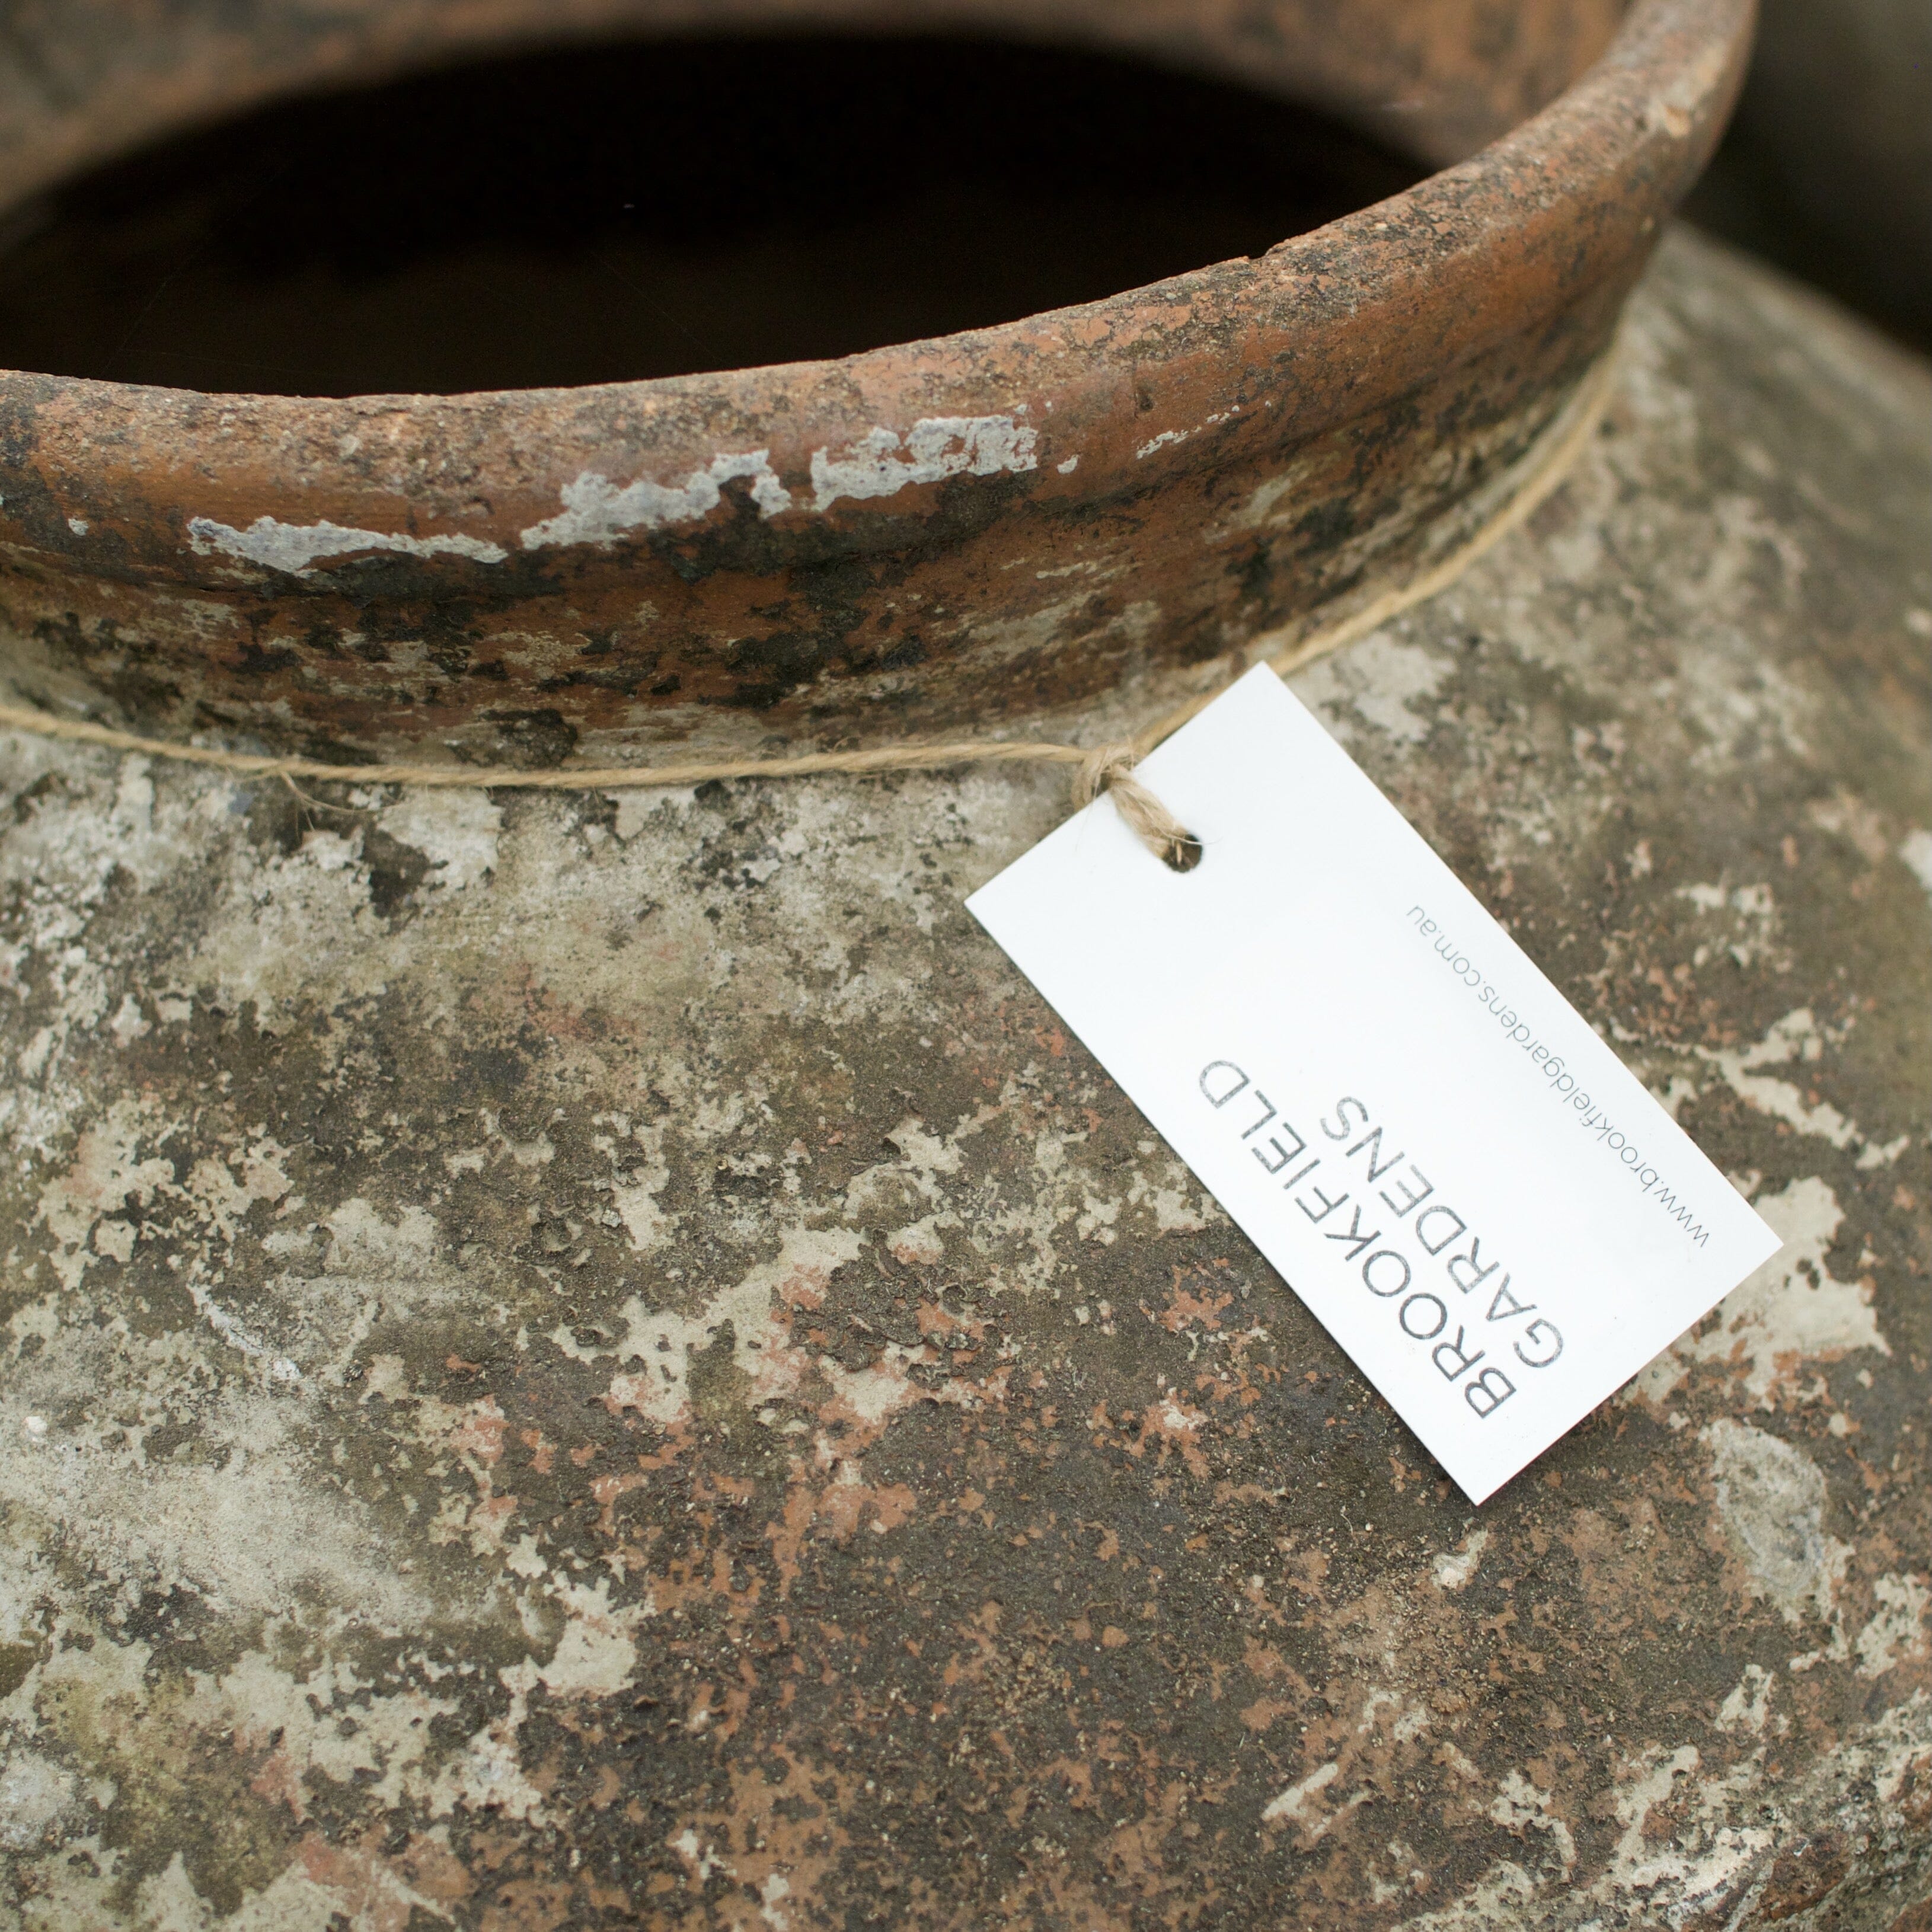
{"type": "Point", "coordinates": [928, 536]}
{"type": "Point", "coordinates": [607, 1362]}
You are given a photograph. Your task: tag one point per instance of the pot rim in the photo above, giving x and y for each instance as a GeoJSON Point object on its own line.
{"type": "Point", "coordinates": [1352, 313]}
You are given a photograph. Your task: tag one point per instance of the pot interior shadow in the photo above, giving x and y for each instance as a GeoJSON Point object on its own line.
{"type": "Point", "coordinates": [658, 208]}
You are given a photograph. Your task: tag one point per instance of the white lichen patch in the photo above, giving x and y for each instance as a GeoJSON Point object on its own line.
{"type": "Point", "coordinates": [1165, 438]}
{"type": "Point", "coordinates": [325, 1726]}
{"type": "Point", "coordinates": [286, 926]}
{"type": "Point", "coordinates": [635, 1189]}
{"type": "Point", "coordinates": [1178, 1205]}
{"type": "Point", "coordinates": [1291, 1805]}
{"type": "Point", "coordinates": [108, 1172]}
{"type": "Point", "coordinates": [1503, 1896]}
{"type": "Point", "coordinates": [596, 1652]}
{"type": "Point", "coordinates": [1454, 1569]}
{"type": "Point", "coordinates": [1742, 921]}
{"type": "Point", "coordinates": [1692, 1867]}
{"type": "Point", "coordinates": [1789, 1314]}
{"type": "Point", "coordinates": [456, 831]}
{"type": "Point", "coordinates": [297, 548]}
{"type": "Point", "coordinates": [888, 1190]}
{"type": "Point", "coordinates": [883, 462]}
{"type": "Point", "coordinates": [599, 512]}
{"type": "Point", "coordinates": [1521, 1806]}
{"type": "Point", "coordinates": [637, 809]}
{"type": "Point", "coordinates": [1916, 850]}
{"type": "Point", "coordinates": [1896, 1633]}
{"type": "Point", "coordinates": [240, 1526]}
{"type": "Point", "coordinates": [1275, 502]}
{"type": "Point", "coordinates": [37, 1797]}
{"type": "Point", "coordinates": [1748, 1705]}
{"type": "Point", "coordinates": [664, 1340]}
{"type": "Point", "coordinates": [224, 1190]}
{"type": "Point", "coordinates": [84, 829]}
{"type": "Point", "coordinates": [1796, 1041]}
{"type": "Point", "coordinates": [487, 1773]}
{"type": "Point", "coordinates": [323, 1888]}
{"type": "Point", "coordinates": [1389, 684]}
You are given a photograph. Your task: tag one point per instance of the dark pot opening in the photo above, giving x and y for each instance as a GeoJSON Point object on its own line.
{"type": "Point", "coordinates": [659, 209]}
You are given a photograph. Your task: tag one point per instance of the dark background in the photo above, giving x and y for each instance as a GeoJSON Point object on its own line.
{"type": "Point", "coordinates": [1827, 169]}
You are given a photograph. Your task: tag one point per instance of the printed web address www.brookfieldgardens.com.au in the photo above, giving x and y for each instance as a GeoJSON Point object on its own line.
{"type": "Point", "coordinates": [1562, 1082]}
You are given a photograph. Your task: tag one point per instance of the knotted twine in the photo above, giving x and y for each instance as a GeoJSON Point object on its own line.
{"type": "Point", "coordinates": [1108, 768]}
{"type": "Point", "coordinates": [1111, 769]}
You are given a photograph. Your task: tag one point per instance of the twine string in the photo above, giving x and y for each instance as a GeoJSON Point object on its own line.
{"type": "Point", "coordinates": [1108, 768]}
{"type": "Point", "coordinates": [1111, 769]}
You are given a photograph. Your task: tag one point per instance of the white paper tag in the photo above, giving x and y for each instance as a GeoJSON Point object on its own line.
{"type": "Point", "coordinates": [1476, 1197]}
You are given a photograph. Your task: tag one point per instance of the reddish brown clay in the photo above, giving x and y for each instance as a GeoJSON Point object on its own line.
{"type": "Point", "coordinates": [950, 533]}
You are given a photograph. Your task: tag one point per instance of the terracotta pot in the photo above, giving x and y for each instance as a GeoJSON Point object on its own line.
{"type": "Point", "coordinates": [592, 1362]}
{"type": "Point", "coordinates": [853, 551]}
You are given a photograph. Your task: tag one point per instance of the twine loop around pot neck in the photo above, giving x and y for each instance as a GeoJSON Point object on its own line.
{"type": "Point", "coordinates": [1108, 768]}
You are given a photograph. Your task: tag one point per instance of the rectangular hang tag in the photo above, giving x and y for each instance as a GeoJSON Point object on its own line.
{"type": "Point", "coordinates": [1473, 1195]}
